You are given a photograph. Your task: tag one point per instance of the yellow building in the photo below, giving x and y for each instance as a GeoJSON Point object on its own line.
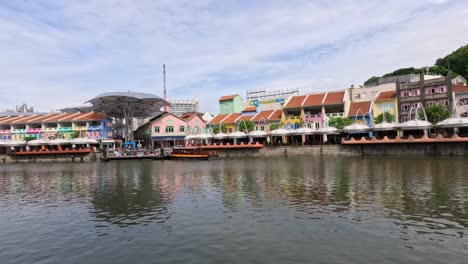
{"type": "Point", "coordinates": [386, 102]}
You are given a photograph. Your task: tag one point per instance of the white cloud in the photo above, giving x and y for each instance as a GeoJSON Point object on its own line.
{"type": "Point", "coordinates": [61, 53]}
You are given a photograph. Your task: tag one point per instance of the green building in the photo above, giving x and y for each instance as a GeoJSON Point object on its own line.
{"type": "Point", "coordinates": [229, 104]}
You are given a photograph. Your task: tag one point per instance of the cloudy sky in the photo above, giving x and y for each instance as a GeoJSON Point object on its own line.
{"type": "Point", "coordinates": [61, 53]}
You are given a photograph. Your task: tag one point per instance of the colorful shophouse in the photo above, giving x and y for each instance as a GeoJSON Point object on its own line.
{"type": "Point", "coordinates": [89, 125]}
{"type": "Point", "coordinates": [386, 103]}
{"type": "Point", "coordinates": [362, 113]}
{"type": "Point", "coordinates": [169, 130]}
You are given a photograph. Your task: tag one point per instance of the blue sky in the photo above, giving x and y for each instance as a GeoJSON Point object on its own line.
{"type": "Point", "coordinates": [61, 53]}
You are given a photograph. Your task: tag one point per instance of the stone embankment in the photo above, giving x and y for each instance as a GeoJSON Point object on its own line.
{"type": "Point", "coordinates": [4, 158]}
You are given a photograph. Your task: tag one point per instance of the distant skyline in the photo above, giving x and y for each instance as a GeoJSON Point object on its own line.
{"type": "Point", "coordinates": [61, 53]}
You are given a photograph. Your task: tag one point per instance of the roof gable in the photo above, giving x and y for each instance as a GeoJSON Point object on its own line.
{"type": "Point", "coordinates": [334, 98]}
{"type": "Point", "coordinates": [355, 106]}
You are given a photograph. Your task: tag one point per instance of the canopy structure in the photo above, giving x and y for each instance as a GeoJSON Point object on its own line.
{"type": "Point", "coordinates": [329, 131]}
{"type": "Point", "coordinates": [280, 132]}
{"type": "Point", "coordinates": [303, 131]}
{"type": "Point", "coordinates": [128, 105]}
{"type": "Point", "coordinates": [454, 122]}
{"type": "Point", "coordinates": [237, 134]}
{"type": "Point", "coordinates": [258, 133]}
{"type": "Point", "coordinates": [356, 128]}
{"type": "Point", "coordinates": [220, 135]}
{"type": "Point", "coordinates": [77, 109]}
{"type": "Point", "coordinates": [415, 124]}
{"type": "Point", "coordinates": [384, 126]}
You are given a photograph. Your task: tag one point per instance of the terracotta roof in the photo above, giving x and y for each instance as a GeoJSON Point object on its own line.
{"type": "Point", "coordinates": [250, 109]}
{"type": "Point", "coordinates": [294, 102]}
{"type": "Point", "coordinates": [25, 119]}
{"type": "Point", "coordinates": [92, 116]}
{"type": "Point", "coordinates": [276, 115]}
{"type": "Point", "coordinates": [228, 97]}
{"type": "Point", "coordinates": [354, 107]}
{"type": "Point", "coordinates": [9, 120]}
{"type": "Point", "coordinates": [262, 115]}
{"type": "Point", "coordinates": [39, 119]}
{"type": "Point", "coordinates": [231, 119]}
{"type": "Point", "coordinates": [458, 88]}
{"type": "Point", "coordinates": [55, 118]}
{"type": "Point", "coordinates": [334, 98]}
{"type": "Point", "coordinates": [245, 117]}
{"type": "Point", "coordinates": [386, 96]}
{"type": "Point", "coordinates": [217, 119]}
{"type": "Point", "coordinates": [313, 100]}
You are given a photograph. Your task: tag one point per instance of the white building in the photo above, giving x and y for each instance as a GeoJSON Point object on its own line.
{"type": "Point", "coordinates": [181, 106]}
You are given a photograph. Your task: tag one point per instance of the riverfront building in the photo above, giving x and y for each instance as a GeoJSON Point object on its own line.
{"type": "Point", "coordinates": [55, 126]}
{"type": "Point", "coordinates": [229, 104]}
{"type": "Point", "coordinates": [386, 102]}
{"type": "Point", "coordinates": [424, 92]}
{"type": "Point", "coordinates": [169, 130]}
{"type": "Point", "coordinates": [460, 95]}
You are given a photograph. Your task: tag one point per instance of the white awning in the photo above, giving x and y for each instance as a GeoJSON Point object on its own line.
{"type": "Point", "coordinates": [415, 125]}
{"type": "Point", "coordinates": [453, 122]}
{"type": "Point", "coordinates": [237, 134]}
{"type": "Point", "coordinates": [356, 128]}
{"type": "Point", "coordinates": [384, 126]}
{"type": "Point", "coordinates": [258, 133]}
{"type": "Point", "coordinates": [280, 132]}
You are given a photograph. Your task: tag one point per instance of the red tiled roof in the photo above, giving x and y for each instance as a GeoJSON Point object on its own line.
{"type": "Point", "coordinates": [458, 88]}
{"type": "Point", "coordinates": [262, 115]}
{"type": "Point", "coordinates": [39, 119]}
{"type": "Point", "coordinates": [276, 115]}
{"type": "Point", "coordinates": [250, 109]}
{"type": "Point", "coordinates": [217, 119]}
{"type": "Point", "coordinates": [294, 102]}
{"type": "Point", "coordinates": [228, 97]}
{"type": "Point", "coordinates": [245, 117]}
{"type": "Point", "coordinates": [55, 118]}
{"type": "Point", "coordinates": [231, 119]}
{"type": "Point", "coordinates": [354, 107]}
{"type": "Point", "coordinates": [25, 119]}
{"type": "Point", "coordinates": [9, 120]}
{"type": "Point", "coordinates": [313, 100]}
{"type": "Point", "coordinates": [386, 96]}
{"type": "Point", "coordinates": [92, 116]}
{"type": "Point", "coordinates": [334, 98]}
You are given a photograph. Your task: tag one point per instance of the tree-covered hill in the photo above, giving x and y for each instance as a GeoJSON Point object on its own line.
{"type": "Point", "coordinates": [457, 60]}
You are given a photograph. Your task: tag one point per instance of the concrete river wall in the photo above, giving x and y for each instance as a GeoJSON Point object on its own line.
{"type": "Point", "coordinates": [431, 149]}
{"type": "Point", "coordinates": [5, 158]}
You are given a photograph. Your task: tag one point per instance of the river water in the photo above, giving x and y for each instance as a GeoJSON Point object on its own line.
{"type": "Point", "coordinates": [265, 210]}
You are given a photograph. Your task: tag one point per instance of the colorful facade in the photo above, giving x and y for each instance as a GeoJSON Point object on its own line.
{"type": "Point", "coordinates": [386, 102]}
{"type": "Point", "coordinates": [52, 126]}
{"type": "Point", "coordinates": [169, 130]}
{"type": "Point", "coordinates": [229, 104]}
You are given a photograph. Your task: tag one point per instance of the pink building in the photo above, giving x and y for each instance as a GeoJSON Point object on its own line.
{"type": "Point", "coordinates": [169, 130]}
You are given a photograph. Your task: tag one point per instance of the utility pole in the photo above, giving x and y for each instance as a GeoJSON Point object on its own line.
{"type": "Point", "coordinates": [164, 80]}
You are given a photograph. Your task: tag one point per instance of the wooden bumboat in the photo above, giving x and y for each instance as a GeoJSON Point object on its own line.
{"type": "Point", "coordinates": [192, 153]}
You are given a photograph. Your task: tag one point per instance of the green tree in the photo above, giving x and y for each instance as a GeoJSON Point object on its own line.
{"type": "Point", "coordinates": [246, 125]}
{"type": "Point", "coordinates": [273, 126]}
{"type": "Point", "coordinates": [339, 122]}
{"type": "Point", "coordinates": [29, 138]}
{"type": "Point", "coordinates": [457, 61]}
{"type": "Point", "coordinates": [74, 134]}
{"type": "Point", "coordinates": [217, 129]}
{"type": "Point", "coordinates": [372, 79]}
{"type": "Point", "coordinates": [435, 113]}
{"type": "Point", "coordinates": [379, 119]}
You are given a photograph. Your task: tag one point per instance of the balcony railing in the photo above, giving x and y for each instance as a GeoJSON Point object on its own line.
{"type": "Point", "coordinates": [18, 131]}
{"type": "Point", "coordinates": [78, 128]}
{"type": "Point", "coordinates": [50, 129]}
{"type": "Point", "coordinates": [5, 132]}
{"type": "Point", "coordinates": [94, 128]}
{"type": "Point", "coordinates": [293, 119]}
{"type": "Point", "coordinates": [65, 129]}
{"type": "Point", "coordinates": [33, 130]}
{"type": "Point", "coordinates": [335, 114]}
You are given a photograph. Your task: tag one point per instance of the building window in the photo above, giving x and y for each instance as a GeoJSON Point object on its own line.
{"type": "Point", "coordinates": [197, 129]}
{"type": "Point", "coordinates": [182, 129]}
{"type": "Point", "coordinates": [357, 96]}
{"type": "Point", "coordinates": [156, 129]}
{"type": "Point", "coordinates": [169, 129]}
{"type": "Point", "coordinates": [404, 119]}
{"type": "Point", "coordinates": [405, 93]}
{"type": "Point", "coordinates": [443, 102]}
{"type": "Point", "coordinates": [405, 106]}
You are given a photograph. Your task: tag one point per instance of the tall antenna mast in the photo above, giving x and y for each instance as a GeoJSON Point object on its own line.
{"type": "Point", "coordinates": [164, 80]}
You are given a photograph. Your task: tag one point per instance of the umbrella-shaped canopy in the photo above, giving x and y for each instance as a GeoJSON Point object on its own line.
{"type": "Point", "coordinates": [13, 143]}
{"type": "Point", "coordinates": [204, 136]}
{"type": "Point", "coordinates": [453, 122]}
{"type": "Point", "coordinates": [128, 104]}
{"type": "Point", "coordinates": [59, 141]}
{"type": "Point", "coordinates": [415, 124]}
{"type": "Point", "coordinates": [303, 131]}
{"type": "Point", "coordinates": [356, 128]}
{"type": "Point", "coordinates": [237, 134]}
{"type": "Point", "coordinates": [258, 133]}
{"type": "Point", "coordinates": [189, 137]}
{"type": "Point", "coordinates": [328, 131]}
{"type": "Point", "coordinates": [38, 142]}
{"type": "Point", "coordinates": [384, 126]}
{"type": "Point", "coordinates": [280, 132]}
{"type": "Point", "coordinates": [220, 136]}
{"type": "Point", "coordinates": [83, 141]}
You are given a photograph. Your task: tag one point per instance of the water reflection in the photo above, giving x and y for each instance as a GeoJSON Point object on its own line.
{"type": "Point", "coordinates": [400, 198]}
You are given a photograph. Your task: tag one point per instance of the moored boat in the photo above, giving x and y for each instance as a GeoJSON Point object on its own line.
{"type": "Point", "coordinates": [192, 153]}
